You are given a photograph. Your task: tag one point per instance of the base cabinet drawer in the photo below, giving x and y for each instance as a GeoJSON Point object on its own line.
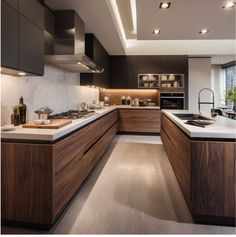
{"type": "Point", "coordinates": [38, 180]}
{"type": "Point", "coordinates": [139, 120]}
{"type": "Point", "coordinates": [177, 147]}
{"type": "Point", "coordinates": [71, 176]}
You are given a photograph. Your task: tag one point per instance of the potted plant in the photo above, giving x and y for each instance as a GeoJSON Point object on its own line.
{"type": "Point", "coordinates": [231, 96]}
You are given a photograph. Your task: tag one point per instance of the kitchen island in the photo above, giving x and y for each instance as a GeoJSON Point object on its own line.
{"type": "Point", "coordinates": [203, 160]}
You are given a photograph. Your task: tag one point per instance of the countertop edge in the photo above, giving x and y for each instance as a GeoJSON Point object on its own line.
{"type": "Point", "coordinates": [202, 134]}
{"type": "Point", "coordinates": [52, 137]}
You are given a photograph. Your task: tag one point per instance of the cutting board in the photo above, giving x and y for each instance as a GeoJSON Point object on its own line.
{"type": "Point", "coordinates": [55, 124]}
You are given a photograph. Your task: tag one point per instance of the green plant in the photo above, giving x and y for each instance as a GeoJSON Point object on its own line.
{"type": "Point", "coordinates": [231, 96]}
{"type": "Point", "coordinates": [16, 109]}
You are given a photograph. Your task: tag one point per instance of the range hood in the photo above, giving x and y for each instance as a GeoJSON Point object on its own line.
{"type": "Point", "coordinates": [69, 44]}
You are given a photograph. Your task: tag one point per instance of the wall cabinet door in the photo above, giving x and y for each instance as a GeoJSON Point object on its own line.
{"type": "Point", "coordinates": [9, 36]}
{"type": "Point", "coordinates": [31, 47]}
{"type": "Point", "coordinates": [149, 64]}
{"type": "Point", "coordinates": [32, 10]}
{"type": "Point", "coordinates": [174, 64]}
{"type": "Point", "coordinates": [124, 72]}
{"type": "Point", "coordinates": [12, 3]}
{"type": "Point", "coordinates": [99, 55]}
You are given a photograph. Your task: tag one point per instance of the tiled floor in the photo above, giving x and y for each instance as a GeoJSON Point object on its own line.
{"type": "Point", "coordinates": [132, 190]}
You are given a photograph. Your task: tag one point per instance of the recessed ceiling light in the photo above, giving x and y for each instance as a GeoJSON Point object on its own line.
{"type": "Point", "coordinates": [164, 5]}
{"type": "Point", "coordinates": [21, 73]}
{"type": "Point", "coordinates": [156, 31]}
{"type": "Point", "coordinates": [229, 5]}
{"type": "Point", "coordinates": [204, 31]}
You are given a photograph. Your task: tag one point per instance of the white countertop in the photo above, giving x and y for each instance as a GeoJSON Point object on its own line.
{"type": "Point", "coordinates": [135, 107]}
{"type": "Point", "coordinates": [21, 133]}
{"type": "Point", "coordinates": [221, 128]}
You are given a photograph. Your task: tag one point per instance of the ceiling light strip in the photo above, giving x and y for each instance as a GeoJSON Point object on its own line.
{"type": "Point", "coordinates": [134, 15]}
{"type": "Point", "coordinates": [117, 20]}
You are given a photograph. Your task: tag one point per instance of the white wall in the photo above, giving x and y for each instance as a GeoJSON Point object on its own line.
{"type": "Point", "coordinates": [199, 77]}
{"type": "Point", "coordinates": [216, 72]}
{"type": "Point", "coordinates": [57, 89]}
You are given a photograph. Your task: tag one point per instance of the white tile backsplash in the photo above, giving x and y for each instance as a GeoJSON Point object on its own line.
{"type": "Point", "coordinates": [57, 89]}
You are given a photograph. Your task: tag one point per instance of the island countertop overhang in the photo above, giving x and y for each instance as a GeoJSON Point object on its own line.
{"type": "Point", "coordinates": [222, 128]}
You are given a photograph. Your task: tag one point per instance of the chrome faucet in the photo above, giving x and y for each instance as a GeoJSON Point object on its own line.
{"type": "Point", "coordinates": [213, 114]}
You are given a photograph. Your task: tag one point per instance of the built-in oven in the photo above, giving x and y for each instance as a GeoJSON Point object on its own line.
{"type": "Point", "coordinates": [173, 100]}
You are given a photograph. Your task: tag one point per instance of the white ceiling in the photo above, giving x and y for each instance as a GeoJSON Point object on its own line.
{"type": "Point", "coordinates": [97, 18]}
{"type": "Point", "coordinates": [184, 19]}
{"type": "Point", "coordinates": [113, 30]}
{"type": "Point", "coordinates": [222, 59]}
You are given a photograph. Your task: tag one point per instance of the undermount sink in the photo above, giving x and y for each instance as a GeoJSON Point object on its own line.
{"type": "Point", "coordinates": [191, 117]}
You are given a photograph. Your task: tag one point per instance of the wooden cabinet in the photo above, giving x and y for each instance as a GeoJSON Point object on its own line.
{"type": "Point", "coordinates": [205, 171]}
{"type": "Point", "coordinates": [149, 64]}
{"type": "Point", "coordinates": [12, 3]}
{"type": "Point", "coordinates": [174, 64]}
{"type": "Point", "coordinates": [31, 47]}
{"type": "Point", "coordinates": [22, 37]}
{"type": "Point", "coordinates": [9, 36]}
{"type": "Point", "coordinates": [124, 72]}
{"type": "Point", "coordinates": [139, 120]}
{"type": "Point", "coordinates": [97, 53]}
{"type": "Point", "coordinates": [177, 146]}
{"type": "Point", "coordinates": [38, 180]}
{"type": "Point", "coordinates": [213, 178]}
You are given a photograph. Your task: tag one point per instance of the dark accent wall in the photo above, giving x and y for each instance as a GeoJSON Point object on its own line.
{"type": "Point", "coordinates": [125, 69]}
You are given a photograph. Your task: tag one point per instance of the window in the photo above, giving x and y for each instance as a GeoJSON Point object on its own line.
{"type": "Point", "coordinates": [227, 83]}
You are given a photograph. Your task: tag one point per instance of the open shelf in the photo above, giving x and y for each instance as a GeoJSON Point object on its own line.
{"type": "Point", "coordinates": [172, 81]}
{"type": "Point", "coordinates": [150, 81]}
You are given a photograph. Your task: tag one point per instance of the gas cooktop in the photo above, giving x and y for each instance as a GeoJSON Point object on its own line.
{"type": "Point", "coordinates": [72, 114]}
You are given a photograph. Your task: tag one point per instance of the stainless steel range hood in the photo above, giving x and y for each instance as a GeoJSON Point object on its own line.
{"type": "Point", "coordinates": [69, 44]}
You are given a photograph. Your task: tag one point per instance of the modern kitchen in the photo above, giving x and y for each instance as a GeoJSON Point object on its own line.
{"type": "Point", "coordinates": [118, 117]}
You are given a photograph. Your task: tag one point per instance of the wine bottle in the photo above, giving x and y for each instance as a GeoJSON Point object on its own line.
{"type": "Point", "coordinates": [22, 111]}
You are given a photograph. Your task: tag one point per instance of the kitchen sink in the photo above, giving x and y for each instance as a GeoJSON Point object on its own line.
{"type": "Point", "coordinates": [191, 117]}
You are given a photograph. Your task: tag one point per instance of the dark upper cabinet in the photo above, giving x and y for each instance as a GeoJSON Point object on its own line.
{"type": "Point", "coordinates": [149, 64]}
{"type": "Point", "coordinates": [31, 47]}
{"type": "Point", "coordinates": [49, 31]}
{"type": "Point", "coordinates": [22, 30]}
{"type": "Point", "coordinates": [9, 36]}
{"type": "Point", "coordinates": [125, 69]}
{"type": "Point", "coordinates": [33, 10]}
{"type": "Point", "coordinates": [124, 72]}
{"type": "Point", "coordinates": [99, 55]}
{"type": "Point", "coordinates": [12, 3]}
{"type": "Point", "coordinates": [174, 64]}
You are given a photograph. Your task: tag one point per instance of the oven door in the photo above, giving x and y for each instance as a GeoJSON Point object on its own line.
{"type": "Point", "coordinates": [172, 103]}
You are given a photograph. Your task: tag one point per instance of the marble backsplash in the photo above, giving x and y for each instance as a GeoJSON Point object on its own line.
{"type": "Point", "coordinates": [57, 89]}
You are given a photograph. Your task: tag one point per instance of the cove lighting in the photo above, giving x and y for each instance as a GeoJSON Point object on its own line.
{"type": "Point", "coordinates": [134, 15]}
